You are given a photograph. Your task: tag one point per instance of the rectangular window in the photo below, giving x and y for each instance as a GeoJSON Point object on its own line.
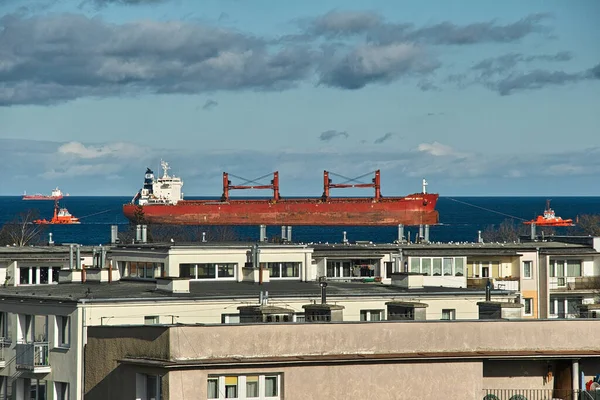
{"type": "Point", "coordinates": [290, 270]}
{"type": "Point", "coordinates": [55, 274]}
{"type": "Point", "coordinates": [226, 270]}
{"type": "Point", "coordinates": [528, 303]}
{"type": "Point", "coordinates": [62, 390]}
{"type": "Point", "coordinates": [271, 386]}
{"type": "Point", "coordinates": [437, 267]}
{"type": "Point", "coordinates": [371, 315]}
{"type": "Point", "coordinates": [24, 275]}
{"type": "Point", "coordinates": [415, 265]}
{"type": "Point", "coordinates": [447, 266]}
{"type": "Point", "coordinates": [230, 318]}
{"type": "Point", "coordinates": [151, 320]}
{"type": "Point", "coordinates": [148, 387]}
{"type": "Point", "coordinates": [206, 271]}
{"type": "Point", "coordinates": [459, 266]}
{"type": "Point", "coordinates": [448, 314]}
{"type": "Point", "coordinates": [252, 386]}
{"type": "Point", "coordinates": [63, 326]}
{"type": "Point", "coordinates": [213, 388]}
{"type": "Point", "coordinates": [187, 271]}
{"type": "Point", "coordinates": [231, 387]}
{"type": "Point", "coordinates": [5, 328]}
{"type": "Point", "coordinates": [573, 268]}
{"type": "Point", "coordinates": [426, 266]}
{"type": "Point", "coordinates": [527, 269]}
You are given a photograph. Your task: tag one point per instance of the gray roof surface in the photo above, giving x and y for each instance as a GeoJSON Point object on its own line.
{"type": "Point", "coordinates": [128, 290]}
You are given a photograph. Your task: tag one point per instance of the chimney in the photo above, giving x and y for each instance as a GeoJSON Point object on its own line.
{"type": "Point", "coordinates": [173, 284]}
{"type": "Point", "coordinates": [323, 292]}
{"type": "Point", "coordinates": [78, 257]}
{"type": "Point", "coordinates": [289, 234]}
{"type": "Point", "coordinates": [283, 233]}
{"type": "Point", "coordinates": [533, 235]}
{"type": "Point", "coordinates": [263, 233]}
{"type": "Point", "coordinates": [400, 233]}
{"type": "Point", "coordinates": [420, 233]}
{"type": "Point", "coordinates": [479, 238]}
{"type": "Point", "coordinates": [50, 241]}
{"type": "Point", "coordinates": [71, 256]}
{"type": "Point", "coordinates": [138, 233]}
{"type": "Point", "coordinates": [144, 233]}
{"type": "Point", "coordinates": [114, 234]}
{"type": "Point", "coordinates": [426, 238]}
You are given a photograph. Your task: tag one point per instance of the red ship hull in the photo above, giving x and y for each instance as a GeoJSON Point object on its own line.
{"type": "Point", "coordinates": [415, 209]}
{"type": "Point", "coordinates": [35, 197]}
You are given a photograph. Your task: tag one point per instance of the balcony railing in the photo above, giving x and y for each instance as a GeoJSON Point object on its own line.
{"type": "Point", "coordinates": [565, 283]}
{"type": "Point", "coordinates": [539, 394]}
{"type": "Point", "coordinates": [33, 356]}
{"type": "Point", "coordinates": [506, 283]}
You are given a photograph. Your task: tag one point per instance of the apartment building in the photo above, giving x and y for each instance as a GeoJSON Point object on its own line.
{"type": "Point", "coordinates": [44, 322]}
{"type": "Point", "coordinates": [412, 360]}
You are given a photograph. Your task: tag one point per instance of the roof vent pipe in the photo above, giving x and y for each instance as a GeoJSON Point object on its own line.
{"type": "Point", "coordinates": [488, 290]}
{"type": "Point", "coordinates": [323, 292]}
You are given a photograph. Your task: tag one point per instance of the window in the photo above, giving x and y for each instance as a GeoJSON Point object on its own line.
{"type": "Point", "coordinates": [528, 309]}
{"type": "Point", "coordinates": [447, 266]}
{"type": "Point", "coordinates": [5, 328]}
{"type": "Point", "coordinates": [459, 266]}
{"type": "Point", "coordinates": [208, 271]}
{"type": "Point", "coordinates": [38, 275]}
{"type": "Point", "coordinates": [527, 269]}
{"type": "Point", "coordinates": [151, 320]}
{"type": "Point", "coordinates": [145, 270]}
{"type": "Point", "coordinates": [448, 314]}
{"type": "Point", "coordinates": [252, 386]}
{"type": "Point", "coordinates": [61, 391]}
{"type": "Point", "coordinates": [244, 387]}
{"type": "Point", "coordinates": [213, 388]}
{"type": "Point", "coordinates": [230, 318]}
{"type": "Point", "coordinates": [231, 387]}
{"type": "Point", "coordinates": [63, 326]}
{"type": "Point", "coordinates": [437, 267]}
{"type": "Point", "coordinates": [371, 315]}
{"type": "Point", "coordinates": [148, 387]}
{"type": "Point", "coordinates": [415, 264]}
{"type": "Point", "coordinates": [288, 269]}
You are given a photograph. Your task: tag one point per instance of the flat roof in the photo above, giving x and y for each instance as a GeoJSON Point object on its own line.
{"type": "Point", "coordinates": [129, 290]}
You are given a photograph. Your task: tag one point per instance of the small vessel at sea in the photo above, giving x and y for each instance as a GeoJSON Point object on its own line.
{"type": "Point", "coordinates": [61, 216]}
{"type": "Point", "coordinates": [160, 201]}
{"type": "Point", "coordinates": [56, 194]}
{"type": "Point", "coordinates": [549, 218]}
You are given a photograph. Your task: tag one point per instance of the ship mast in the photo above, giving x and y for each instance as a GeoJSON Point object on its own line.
{"type": "Point", "coordinates": [327, 185]}
{"type": "Point", "coordinates": [227, 186]}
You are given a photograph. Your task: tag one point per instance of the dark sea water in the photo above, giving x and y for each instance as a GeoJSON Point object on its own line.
{"type": "Point", "coordinates": [460, 218]}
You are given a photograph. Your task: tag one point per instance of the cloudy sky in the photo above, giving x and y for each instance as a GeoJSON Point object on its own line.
{"type": "Point", "coordinates": [479, 97]}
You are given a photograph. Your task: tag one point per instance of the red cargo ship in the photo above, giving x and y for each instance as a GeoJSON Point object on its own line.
{"type": "Point", "coordinates": [160, 201]}
{"type": "Point", "coordinates": [56, 195]}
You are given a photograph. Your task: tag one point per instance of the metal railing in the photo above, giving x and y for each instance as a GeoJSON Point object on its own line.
{"type": "Point", "coordinates": [31, 355]}
{"type": "Point", "coordinates": [539, 394]}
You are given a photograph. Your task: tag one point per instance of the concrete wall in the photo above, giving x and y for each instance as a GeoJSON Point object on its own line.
{"type": "Point", "coordinates": [105, 378]}
{"type": "Point", "coordinates": [420, 377]}
{"type": "Point", "coordinates": [417, 337]}
{"type": "Point", "coordinates": [407, 380]}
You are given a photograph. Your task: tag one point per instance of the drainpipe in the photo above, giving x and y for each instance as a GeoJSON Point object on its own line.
{"type": "Point", "coordinates": [110, 271]}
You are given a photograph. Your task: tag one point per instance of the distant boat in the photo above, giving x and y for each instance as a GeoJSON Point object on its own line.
{"type": "Point", "coordinates": [57, 194]}
{"type": "Point", "coordinates": [61, 216]}
{"type": "Point", "coordinates": [550, 219]}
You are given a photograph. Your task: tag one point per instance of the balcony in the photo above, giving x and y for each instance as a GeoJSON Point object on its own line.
{"type": "Point", "coordinates": [539, 394]}
{"type": "Point", "coordinates": [33, 357]}
{"type": "Point", "coordinates": [568, 283]}
{"type": "Point", "coordinates": [507, 283]}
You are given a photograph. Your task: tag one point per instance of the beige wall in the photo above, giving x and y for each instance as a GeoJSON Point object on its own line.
{"type": "Point", "coordinates": [407, 380]}
{"type": "Point", "coordinates": [417, 337]}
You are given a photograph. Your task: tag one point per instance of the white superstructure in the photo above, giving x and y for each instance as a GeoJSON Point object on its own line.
{"type": "Point", "coordinates": [164, 190]}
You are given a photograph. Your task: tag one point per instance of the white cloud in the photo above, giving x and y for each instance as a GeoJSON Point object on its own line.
{"type": "Point", "coordinates": [119, 149]}
{"type": "Point", "coordinates": [436, 149]}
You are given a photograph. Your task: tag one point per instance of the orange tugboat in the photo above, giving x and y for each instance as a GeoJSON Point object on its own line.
{"type": "Point", "coordinates": [550, 219]}
{"type": "Point", "coordinates": [61, 216]}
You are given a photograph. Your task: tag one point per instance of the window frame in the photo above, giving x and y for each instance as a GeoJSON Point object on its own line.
{"type": "Point", "coordinates": [530, 275]}
{"type": "Point", "coordinates": [451, 313]}
{"type": "Point", "coordinates": [242, 386]}
{"type": "Point", "coordinates": [195, 267]}
{"type": "Point", "coordinates": [63, 332]}
{"type": "Point", "coordinates": [370, 313]}
{"type": "Point", "coordinates": [528, 301]}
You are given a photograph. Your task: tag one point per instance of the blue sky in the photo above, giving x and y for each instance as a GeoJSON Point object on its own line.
{"type": "Point", "coordinates": [479, 97]}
